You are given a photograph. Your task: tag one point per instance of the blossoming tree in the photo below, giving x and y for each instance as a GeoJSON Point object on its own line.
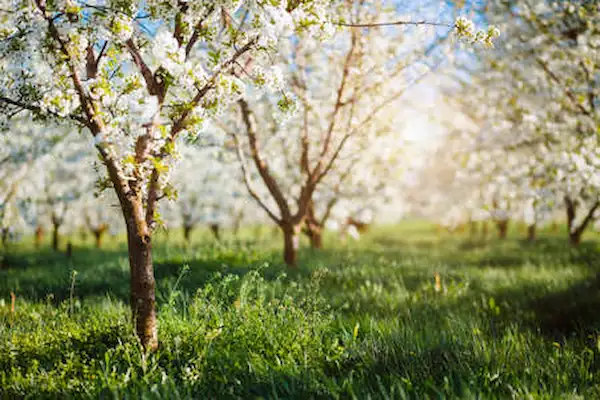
{"type": "Point", "coordinates": [536, 103]}
{"type": "Point", "coordinates": [136, 75]}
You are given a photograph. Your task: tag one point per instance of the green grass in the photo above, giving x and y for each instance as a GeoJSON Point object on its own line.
{"type": "Point", "coordinates": [357, 320]}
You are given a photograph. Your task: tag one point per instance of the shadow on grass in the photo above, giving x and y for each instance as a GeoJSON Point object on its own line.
{"type": "Point", "coordinates": [557, 315]}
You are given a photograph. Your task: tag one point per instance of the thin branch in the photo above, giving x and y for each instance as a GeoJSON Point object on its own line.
{"type": "Point", "coordinates": [261, 165]}
{"type": "Point", "coordinates": [179, 124]}
{"type": "Point", "coordinates": [395, 23]}
{"type": "Point", "coordinates": [246, 177]}
{"type": "Point", "coordinates": [196, 33]}
{"type": "Point", "coordinates": [40, 111]}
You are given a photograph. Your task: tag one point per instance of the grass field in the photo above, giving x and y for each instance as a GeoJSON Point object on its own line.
{"type": "Point", "coordinates": [359, 320]}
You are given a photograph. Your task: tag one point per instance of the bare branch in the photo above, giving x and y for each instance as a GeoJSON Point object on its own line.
{"type": "Point", "coordinates": [394, 23]}
{"type": "Point", "coordinates": [246, 177]}
{"type": "Point", "coordinates": [261, 165]}
{"type": "Point", "coordinates": [44, 113]}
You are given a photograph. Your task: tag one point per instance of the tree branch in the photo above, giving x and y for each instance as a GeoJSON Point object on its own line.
{"type": "Point", "coordinates": [394, 23]}
{"type": "Point", "coordinates": [261, 165]}
{"type": "Point", "coordinates": [39, 111]}
{"type": "Point", "coordinates": [246, 177]}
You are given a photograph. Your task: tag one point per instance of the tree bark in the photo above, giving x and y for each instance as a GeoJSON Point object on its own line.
{"type": "Point", "coordinates": [143, 285]}
{"type": "Point", "coordinates": [484, 229]}
{"type": "Point", "coordinates": [290, 244]}
{"type": "Point", "coordinates": [531, 232]}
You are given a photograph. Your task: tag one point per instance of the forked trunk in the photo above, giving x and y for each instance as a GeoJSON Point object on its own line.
{"type": "Point", "coordinates": [531, 231]}
{"type": "Point", "coordinates": [143, 300]}
{"type": "Point", "coordinates": [290, 244]}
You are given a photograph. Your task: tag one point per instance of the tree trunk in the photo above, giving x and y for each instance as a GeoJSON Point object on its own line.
{"type": "Point", "coordinates": [531, 230]}
{"type": "Point", "coordinates": [502, 226]}
{"type": "Point", "coordinates": [575, 232]}
{"type": "Point", "coordinates": [237, 222]}
{"type": "Point", "coordinates": [314, 232]}
{"type": "Point", "coordinates": [39, 236]}
{"type": "Point", "coordinates": [5, 233]}
{"type": "Point", "coordinates": [216, 231]}
{"type": "Point", "coordinates": [316, 239]}
{"type": "Point", "coordinates": [575, 238]}
{"type": "Point", "coordinates": [98, 238]}
{"type": "Point", "coordinates": [290, 244]}
{"type": "Point", "coordinates": [55, 236]}
{"type": "Point", "coordinates": [571, 209]}
{"type": "Point", "coordinates": [473, 228]}
{"type": "Point", "coordinates": [143, 285]}
{"type": "Point", "coordinates": [69, 251]}
{"type": "Point", "coordinates": [187, 233]}
{"type": "Point", "coordinates": [484, 229]}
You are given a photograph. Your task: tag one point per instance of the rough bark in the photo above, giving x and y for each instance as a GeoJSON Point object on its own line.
{"type": "Point", "coordinates": [143, 300]}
